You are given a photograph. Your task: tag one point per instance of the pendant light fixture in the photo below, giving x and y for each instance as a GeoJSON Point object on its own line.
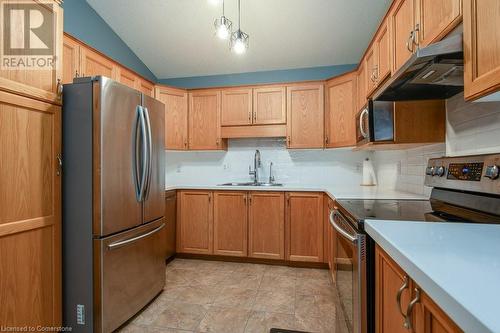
{"type": "Point", "coordinates": [239, 39]}
{"type": "Point", "coordinates": [223, 26]}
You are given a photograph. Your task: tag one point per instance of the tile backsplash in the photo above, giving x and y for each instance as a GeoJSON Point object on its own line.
{"type": "Point", "coordinates": [312, 167]}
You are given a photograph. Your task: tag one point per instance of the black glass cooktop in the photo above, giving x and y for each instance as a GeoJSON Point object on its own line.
{"type": "Point", "coordinates": [412, 210]}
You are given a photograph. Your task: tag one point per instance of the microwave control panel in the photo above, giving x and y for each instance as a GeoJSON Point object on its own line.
{"type": "Point", "coordinates": [465, 171]}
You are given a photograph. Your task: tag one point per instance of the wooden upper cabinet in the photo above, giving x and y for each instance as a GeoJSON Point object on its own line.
{"type": "Point", "coordinates": [304, 226]}
{"type": "Point", "coordinates": [266, 225]}
{"type": "Point", "coordinates": [127, 77]}
{"type": "Point", "coordinates": [382, 53]}
{"type": "Point", "coordinates": [340, 115]}
{"type": "Point", "coordinates": [93, 64]}
{"type": "Point", "coordinates": [40, 83]}
{"type": "Point", "coordinates": [30, 212]}
{"type": "Point", "coordinates": [269, 105]}
{"type": "Point", "coordinates": [305, 116]}
{"type": "Point", "coordinates": [195, 222]}
{"type": "Point", "coordinates": [437, 19]}
{"type": "Point", "coordinates": [481, 47]}
{"type": "Point", "coordinates": [390, 281]}
{"type": "Point", "coordinates": [236, 107]}
{"type": "Point", "coordinates": [176, 116]}
{"type": "Point", "coordinates": [71, 60]}
{"type": "Point", "coordinates": [371, 70]}
{"type": "Point", "coordinates": [403, 35]}
{"type": "Point", "coordinates": [230, 223]}
{"type": "Point", "coordinates": [361, 86]}
{"type": "Point", "coordinates": [204, 120]}
{"type": "Point", "coordinates": [146, 87]}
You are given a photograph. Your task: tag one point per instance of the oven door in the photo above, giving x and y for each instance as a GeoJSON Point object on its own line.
{"type": "Point", "coordinates": [350, 270]}
{"type": "Point", "coordinates": [363, 126]}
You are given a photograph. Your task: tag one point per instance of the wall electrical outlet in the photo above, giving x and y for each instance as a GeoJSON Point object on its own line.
{"type": "Point", "coordinates": [227, 166]}
{"type": "Point", "coordinates": [178, 169]}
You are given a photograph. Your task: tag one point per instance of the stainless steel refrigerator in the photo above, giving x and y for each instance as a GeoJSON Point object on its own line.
{"type": "Point", "coordinates": [113, 203]}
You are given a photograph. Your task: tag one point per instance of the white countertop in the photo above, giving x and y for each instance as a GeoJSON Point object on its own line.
{"type": "Point", "coordinates": [456, 264]}
{"type": "Point", "coordinates": [334, 191]}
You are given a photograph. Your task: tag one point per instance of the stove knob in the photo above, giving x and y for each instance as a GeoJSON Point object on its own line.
{"type": "Point", "coordinates": [429, 171]}
{"type": "Point", "coordinates": [492, 172]}
{"type": "Point", "coordinates": [440, 171]}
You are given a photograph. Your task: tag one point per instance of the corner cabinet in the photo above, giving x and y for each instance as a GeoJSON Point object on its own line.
{"type": "Point", "coordinates": [401, 306]}
{"type": "Point", "coordinates": [304, 226]}
{"type": "Point", "coordinates": [305, 116]}
{"type": "Point", "coordinates": [195, 222]}
{"type": "Point", "coordinates": [204, 120]}
{"type": "Point", "coordinates": [481, 48]}
{"type": "Point", "coordinates": [340, 113]}
{"type": "Point", "coordinates": [176, 116]}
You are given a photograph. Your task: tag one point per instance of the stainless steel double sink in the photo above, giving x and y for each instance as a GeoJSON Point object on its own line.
{"type": "Point", "coordinates": [251, 184]}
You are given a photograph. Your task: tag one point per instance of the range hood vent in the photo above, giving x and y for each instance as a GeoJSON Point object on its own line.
{"type": "Point", "coordinates": [433, 72]}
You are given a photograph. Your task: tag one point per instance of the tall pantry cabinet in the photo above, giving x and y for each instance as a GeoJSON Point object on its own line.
{"type": "Point", "coordinates": [30, 191]}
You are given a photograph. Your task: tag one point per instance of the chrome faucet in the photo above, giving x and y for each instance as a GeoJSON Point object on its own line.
{"type": "Point", "coordinates": [271, 177]}
{"type": "Point", "coordinates": [256, 166]}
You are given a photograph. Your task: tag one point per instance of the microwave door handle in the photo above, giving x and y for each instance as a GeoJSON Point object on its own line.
{"type": "Point", "coordinates": [339, 229]}
{"type": "Point", "coordinates": [361, 123]}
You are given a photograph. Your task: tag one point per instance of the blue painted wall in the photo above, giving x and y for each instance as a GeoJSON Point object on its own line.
{"type": "Point", "coordinates": [277, 76]}
{"type": "Point", "coordinates": [82, 22]}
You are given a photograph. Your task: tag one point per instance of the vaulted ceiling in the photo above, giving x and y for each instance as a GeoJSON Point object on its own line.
{"type": "Point", "coordinates": [175, 38]}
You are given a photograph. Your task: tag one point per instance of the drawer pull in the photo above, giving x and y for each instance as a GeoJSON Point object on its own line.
{"type": "Point", "coordinates": [113, 246]}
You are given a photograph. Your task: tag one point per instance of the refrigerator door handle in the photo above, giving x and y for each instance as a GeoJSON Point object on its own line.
{"type": "Point", "coordinates": [134, 239]}
{"type": "Point", "coordinates": [141, 154]}
{"type": "Point", "coordinates": [150, 152]}
{"type": "Point", "coordinates": [136, 152]}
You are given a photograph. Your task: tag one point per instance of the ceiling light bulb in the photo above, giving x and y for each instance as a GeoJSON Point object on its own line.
{"type": "Point", "coordinates": [239, 46]}
{"type": "Point", "coordinates": [222, 32]}
{"type": "Point", "coordinates": [223, 27]}
{"type": "Point", "coordinates": [239, 42]}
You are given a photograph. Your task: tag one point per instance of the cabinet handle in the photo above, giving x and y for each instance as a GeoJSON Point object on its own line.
{"type": "Point", "coordinates": [249, 116]}
{"type": "Point", "coordinates": [249, 199]}
{"type": "Point", "coordinates": [326, 139]}
{"type": "Point", "coordinates": [185, 143]}
{"type": "Point", "coordinates": [375, 73]}
{"type": "Point", "coordinates": [76, 73]}
{"type": "Point", "coordinates": [217, 142]}
{"type": "Point", "coordinates": [245, 199]}
{"type": "Point", "coordinates": [59, 89]}
{"type": "Point", "coordinates": [400, 293]}
{"type": "Point", "coordinates": [59, 164]}
{"type": "Point", "coordinates": [408, 325]}
{"type": "Point", "coordinates": [412, 38]}
{"type": "Point", "coordinates": [254, 116]}
{"type": "Point", "coordinates": [288, 140]}
{"type": "Point", "coordinates": [209, 197]}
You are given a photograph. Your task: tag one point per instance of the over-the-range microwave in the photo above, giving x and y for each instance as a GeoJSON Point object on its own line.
{"type": "Point", "coordinates": [375, 123]}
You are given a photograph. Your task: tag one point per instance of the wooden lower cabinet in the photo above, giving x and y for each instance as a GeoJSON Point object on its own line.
{"type": "Point", "coordinates": [394, 290]}
{"type": "Point", "coordinates": [304, 226]}
{"type": "Point", "coordinates": [30, 212]}
{"type": "Point", "coordinates": [230, 223]}
{"type": "Point", "coordinates": [195, 218]}
{"type": "Point", "coordinates": [266, 225]}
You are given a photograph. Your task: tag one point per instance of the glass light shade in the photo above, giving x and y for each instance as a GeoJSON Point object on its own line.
{"type": "Point", "coordinates": [223, 27]}
{"type": "Point", "coordinates": [239, 42]}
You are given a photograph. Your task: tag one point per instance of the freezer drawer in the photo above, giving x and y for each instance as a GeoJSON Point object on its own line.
{"type": "Point", "coordinates": [129, 272]}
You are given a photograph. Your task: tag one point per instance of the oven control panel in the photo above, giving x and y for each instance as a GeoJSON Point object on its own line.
{"type": "Point", "coordinates": [480, 173]}
{"type": "Point", "coordinates": [465, 171]}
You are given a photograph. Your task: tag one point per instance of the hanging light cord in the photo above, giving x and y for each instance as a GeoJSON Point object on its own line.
{"type": "Point", "coordinates": [239, 14]}
{"type": "Point", "coordinates": [222, 7]}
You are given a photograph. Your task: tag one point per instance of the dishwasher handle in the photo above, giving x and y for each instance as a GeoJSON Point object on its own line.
{"type": "Point", "coordinates": [339, 229]}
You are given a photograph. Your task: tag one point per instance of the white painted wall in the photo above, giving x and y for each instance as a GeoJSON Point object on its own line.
{"type": "Point", "coordinates": [312, 167]}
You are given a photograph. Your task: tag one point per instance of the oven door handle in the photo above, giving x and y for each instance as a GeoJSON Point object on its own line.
{"type": "Point", "coordinates": [353, 239]}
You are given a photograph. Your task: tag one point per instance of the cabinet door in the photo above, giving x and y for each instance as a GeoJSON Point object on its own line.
{"type": "Point", "coordinates": [304, 226]}
{"type": "Point", "coordinates": [269, 105]}
{"type": "Point", "coordinates": [236, 107]}
{"type": "Point", "coordinates": [390, 281]}
{"type": "Point", "coordinates": [371, 70]}
{"type": "Point", "coordinates": [93, 64]}
{"type": "Point", "coordinates": [127, 77]}
{"type": "Point", "coordinates": [402, 24]}
{"type": "Point", "coordinates": [38, 83]}
{"type": "Point", "coordinates": [176, 116]}
{"type": "Point", "coordinates": [437, 19]}
{"type": "Point", "coordinates": [383, 54]}
{"type": "Point", "coordinates": [195, 216]}
{"type": "Point", "coordinates": [340, 115]}
{"type": "Point", "coordinates": [30, 212]}
{"type": "Point", "coordinates": [145, 87]}
{"type": "Point", "coordinates": [305, 114]}
{"type": "Point", "coordinates": [71, 59]}
{"type": "Point", "coordinates": [361, 86]}
{"type": "Point", "coordinates": [429, 318]}
{"type": "Point", "coordinates": [481, 47]}
{"type": "Point", "coordinates": [266, 227]}
{"type": "Point", "coordinates": [204, 120]}
{"type": "Point", "coordinates": [230, 223]}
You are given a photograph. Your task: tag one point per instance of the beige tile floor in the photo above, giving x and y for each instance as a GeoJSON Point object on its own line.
{"type": "Point", "coordinates": [220, 297]}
